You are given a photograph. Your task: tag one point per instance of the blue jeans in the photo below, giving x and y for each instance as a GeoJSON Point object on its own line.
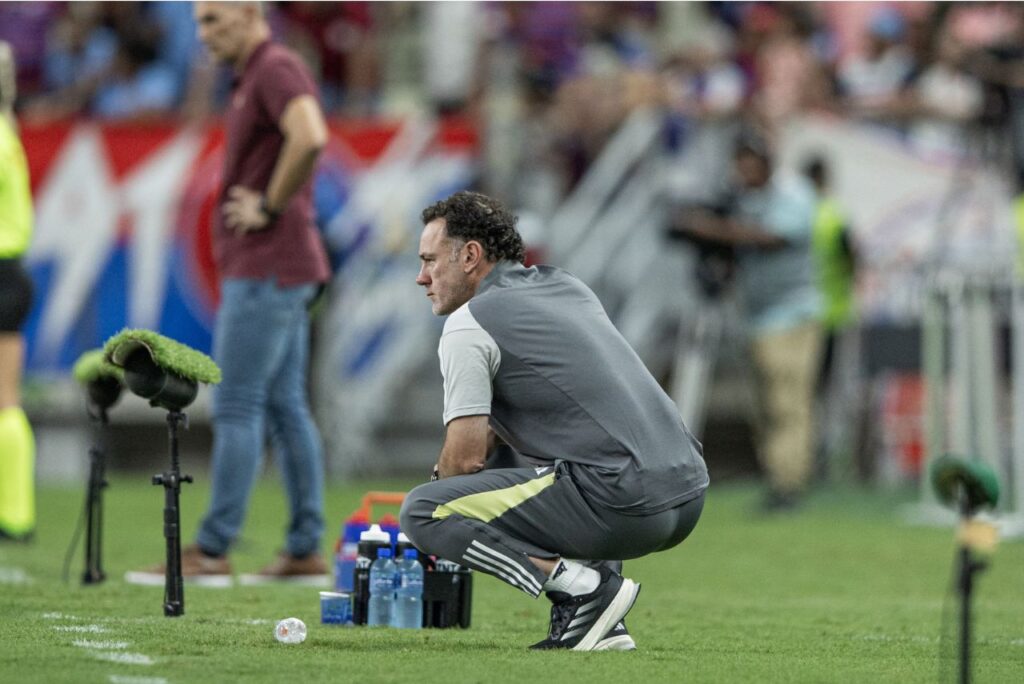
{"type": "Point", "coordinates": [261, 343]}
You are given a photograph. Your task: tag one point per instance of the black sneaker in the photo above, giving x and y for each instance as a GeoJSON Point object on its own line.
{"type": "Point", "coordinates": [617, 639]}
{"type": "Point", "coordinates": [581, 622]}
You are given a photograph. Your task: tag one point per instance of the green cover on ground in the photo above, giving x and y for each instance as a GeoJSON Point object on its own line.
{"type": "Point", "coordinates": [93, 365]}
{"type": "Point", "coordinates": [169, 354]}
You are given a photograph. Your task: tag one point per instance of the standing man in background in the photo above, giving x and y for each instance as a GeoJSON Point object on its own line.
{"type": "Point", "coordinates": [271, 263]}
{"type": "Point", "coordinates": [836, 262]}
{"type": "Point", "coordinates": [770, 228]}
{"type": "Point", "coordinates": [17, 445]}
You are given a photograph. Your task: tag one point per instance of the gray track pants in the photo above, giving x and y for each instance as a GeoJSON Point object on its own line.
{"type": "Point", "coordinates": [492, 521]}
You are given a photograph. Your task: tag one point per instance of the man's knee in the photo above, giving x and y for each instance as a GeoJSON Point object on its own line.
{"type": "Point", "coordinates": [417, 516]}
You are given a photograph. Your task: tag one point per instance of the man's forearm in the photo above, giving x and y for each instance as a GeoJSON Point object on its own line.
{"type": "Point", "coordinates": [305, 135]}
{"type": "Point", "coordinates": [465, 446]}
{"type": "Point", "coordinates": [294, 167]}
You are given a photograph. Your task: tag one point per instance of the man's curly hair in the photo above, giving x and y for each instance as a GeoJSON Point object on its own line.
{"type": "Point", "coordinates": [473, 216]}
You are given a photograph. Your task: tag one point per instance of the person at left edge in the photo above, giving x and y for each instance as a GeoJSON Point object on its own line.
{"type": "Point", "coordinates": [17, 445]}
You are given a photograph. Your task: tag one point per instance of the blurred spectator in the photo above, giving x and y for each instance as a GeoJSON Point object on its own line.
{"type": "Point", "coordinates": [338, 41]}
{"type": "Point", "coordinates": [1000, 66]}
{"type": "Point", "coordinates": [80, 51]}
{"type": "Point", "coordinates": [104, 59]}
{"type": "Point", "coordinates": [704, 94]}
{"type": "Point", "coordinates": [771, 227]}
{"type": "Point", "coordinates": [137, 85]}
{"type": "Point", "coordinates": [615, 35]}
{"type": "Point", "coordinates": [24, 26]}
{"type": "Point", "coordinates": [79, 48]}
{"type": "Point", "coordinates": [178, 48]}
{"type": "Point", "coordinates": [872, 83]}
{"type": "Point", "coordinates": [789, 78]}
{"type": "Point", "coordinates": [948, 101]}
{"type": "Point", "coordinates": [452, 32]}
{"type": "Point", "coordinates": [835, 258]}
{"type": "Point", "coordinates": [983, 24]}
{"type": "Point", "coordinates": [547, 37]}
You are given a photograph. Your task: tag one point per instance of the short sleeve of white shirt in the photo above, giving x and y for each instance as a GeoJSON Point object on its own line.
{"type": "Point", "coordinates": [469, 360]}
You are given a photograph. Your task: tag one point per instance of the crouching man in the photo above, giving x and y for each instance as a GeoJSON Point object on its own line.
{"type": "Point", "coordinates": [529, 356]}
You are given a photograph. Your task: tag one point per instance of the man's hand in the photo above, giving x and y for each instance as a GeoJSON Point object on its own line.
{"type": "Point", "coordinates": [244, 211]}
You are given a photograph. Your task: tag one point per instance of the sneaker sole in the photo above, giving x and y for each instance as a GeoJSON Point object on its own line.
{"type": "Point", "coordinates": [615, 611]}
{"type": "Point", "coordinates": [149, 579]}
{"type": "Point", "coordinates": [296, 580]}
{"type": "Point", "coordinates": [623, 642]}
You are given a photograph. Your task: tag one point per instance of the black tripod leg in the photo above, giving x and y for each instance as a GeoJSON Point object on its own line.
{"type": "Point", "coordinates": [966, 584]}
{"type": "Point", "coordinates": [174, 590]}
{"type": "Point", "coordinates": [94, 519]}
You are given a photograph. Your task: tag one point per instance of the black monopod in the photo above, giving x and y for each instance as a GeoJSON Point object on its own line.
{"type": "Point", "coordinates": [103, 384]}
{"type": "Point", "coordinates": [167, 373]}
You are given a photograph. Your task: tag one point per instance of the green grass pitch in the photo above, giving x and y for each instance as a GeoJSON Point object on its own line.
{"type": "Point", "coordinates": [839, 592]}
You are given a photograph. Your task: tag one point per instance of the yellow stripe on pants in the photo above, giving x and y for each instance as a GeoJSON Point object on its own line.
{"type": "Point", "coordinates": [486, 506]}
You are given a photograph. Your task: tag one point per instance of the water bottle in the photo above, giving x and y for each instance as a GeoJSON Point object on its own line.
{"type": "Point", "coordinates": [409, 592]}
{"type": "Point", "coordinates": [370, 542]}
{"type": "Point", "coordinates": [382, 589]}
{"type": "Point", "coordinates": [401, 544]}
{"type": "Point", "coordinates": [290, 631]}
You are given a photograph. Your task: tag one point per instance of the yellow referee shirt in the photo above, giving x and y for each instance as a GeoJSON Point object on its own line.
{"type": "Point", "coordinates": [15, 194]}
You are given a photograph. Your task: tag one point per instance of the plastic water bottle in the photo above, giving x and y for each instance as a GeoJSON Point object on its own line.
{"type": "Point", "coordinates": [382, 589]}
{"type": "Point", "coordinates": [401, 544]}
{"type": "Point", "coordinates": [290, 631]}
{"type": "Point", "coordinates": [370, 542]}
{"type": "Point", "coordinates": [409, 592]}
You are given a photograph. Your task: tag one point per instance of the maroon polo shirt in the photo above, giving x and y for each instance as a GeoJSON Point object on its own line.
{"type": "Point", "coordinates": [289, 250]}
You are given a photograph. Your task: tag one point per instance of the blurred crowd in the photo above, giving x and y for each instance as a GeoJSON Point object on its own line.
{"type": "Point", "coordinates": [548, 82]}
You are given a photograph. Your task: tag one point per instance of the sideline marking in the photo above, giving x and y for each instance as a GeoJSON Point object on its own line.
{"type": "Point", "coordinates": [897, 638]}
{"type": "Point", "coordinates": [60, 616]}
{"type": "Point", "coordinates": [14, 576]}
{"type": "Point", "coordinates": [124, 658]}
{"type": "Point", "coordinates": [102, 645]}
{"type": "Point", "coordinates": [90, 629]}
{"type": "Point", "coordinates": [121, 679]}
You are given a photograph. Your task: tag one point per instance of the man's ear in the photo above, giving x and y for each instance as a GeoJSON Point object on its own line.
{"type": "Point", "coordinates": [472, 255]}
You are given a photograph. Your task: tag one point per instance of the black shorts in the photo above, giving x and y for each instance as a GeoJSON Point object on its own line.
{"type": "Point", "coordinates": [15, 295]}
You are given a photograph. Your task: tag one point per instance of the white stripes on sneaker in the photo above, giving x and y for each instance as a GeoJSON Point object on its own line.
{"type": "Point", "coordinates": [581, 614]}
{"type": "Point", "coordinates": [502, 566]}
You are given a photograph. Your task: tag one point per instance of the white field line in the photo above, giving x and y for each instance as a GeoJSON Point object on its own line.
{"type": "Point", "coordinates": [14, 576]}
{"type": "Point", "coordinates": [121, 679]}
{"type": "Point", "coordinates": [101, 645]}
{"type": "Point", "coordinates": [110, 651]}
{"type": "Point", "coordinates": [919, 639]}
{"type": "Point", "coordinates": [899, 638]}
{"type": "Point", "coordinates": [87, 629]}
{"type": "Point", "coordinates": [124, 658]}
